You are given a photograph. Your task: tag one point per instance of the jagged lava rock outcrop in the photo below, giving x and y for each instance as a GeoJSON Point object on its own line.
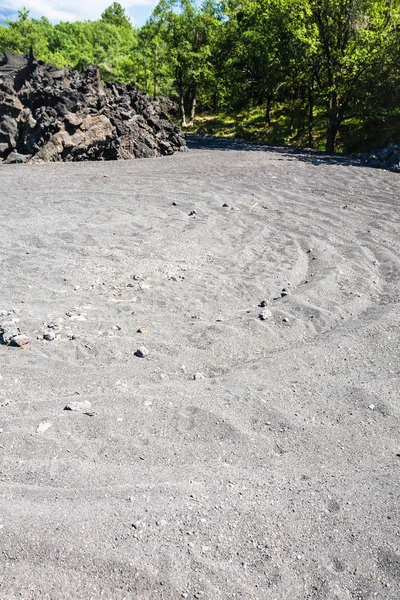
{"type": "Point", "coordinates": [385, 158]}
{"type": "Point", "coordinates": [49, 114]}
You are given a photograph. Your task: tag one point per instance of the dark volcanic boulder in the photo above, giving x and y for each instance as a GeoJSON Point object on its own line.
{"type": "Point", "coordinates": [386, 158]}
{"type": "Point", "coordinates": [49, 114]}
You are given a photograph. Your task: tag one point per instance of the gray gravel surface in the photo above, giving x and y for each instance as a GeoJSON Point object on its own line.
{"type": "Point", "coordinates": [275, 474]}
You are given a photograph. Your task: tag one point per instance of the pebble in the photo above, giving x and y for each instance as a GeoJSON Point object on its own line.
{"type": "Point", "coordinates": [20, 341]}
{"type": "Point", "coordinates": [83, 406]}
{"type": "Point", "coordinates": [56, 323]}
{"type": "Point", "coordinates": [285, 320]}
{"type": "Point", "coordinates": [43, 427]}
{"type": "Point", "coordinates": [284, 293]}
{"type": "Point", "coordinates": [225, 205]}
{"type": "Point", "coordinates": [198, 376]}
{"type": "Point", "coordinates": [75, 336]}
{"type": "Point", "coordinates": [9, 330]}
{"type": "Point", "coordinates": [49, 336]}
{"type": "Point", "coordinates": [142, 330]}
{"type": "Point", "coordinates": [142, 352]}
{"type": "Point", "coordinates": [263, 303]}
{"type": "Point", "coordinates": [265, 314]}
{"type": "Point", "coordinates": [192, 213]}
{"type": "Point", "coordinates": [174, 204]}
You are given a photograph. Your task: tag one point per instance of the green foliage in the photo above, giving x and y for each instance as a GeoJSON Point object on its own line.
{"type": "Point", "coordinates": [110, 42]}
{"type": "Point", "coordinates": [286, 71]}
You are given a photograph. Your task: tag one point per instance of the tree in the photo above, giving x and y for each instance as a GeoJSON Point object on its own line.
{"type": "Point", "coordinates": [353, 40]}
{"type": "Point", "coordinates": [116, 15]}
{"type": "Point", "coordinates": [185, 29]}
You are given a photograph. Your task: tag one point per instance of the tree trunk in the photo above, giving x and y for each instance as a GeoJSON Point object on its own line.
{"type": "Point", "coordinates": [193, 109]}
{"type": "Point", "coordinates": [215, 100]}
{"type": "Point", "coordinates": [182, 107]}
{"type": "Point", "coordinates": [155, 76]}
{"type": "Point", "coordinates": [268, 111]}
{"type": "Point", "coordinates": [333, 128]}
{"type": "Point", "coordinates": [179, 81]}
{"type": "Point", "coordinates": [311, 114]}
{"type": "Point", "coordinates": [333, 124]}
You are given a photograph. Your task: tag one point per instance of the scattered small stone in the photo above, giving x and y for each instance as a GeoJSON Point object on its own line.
{"type": "Point", "coordinates": [9, 330]}
{"type": "Point", "coordinates": [265, 314]}
{"type": "Point", "coordinates": [78, 318]}
{"type": "Point", "coordinates": [285, 320]}
{"type": "Point", "coordinates": [49, 336]}
{"type": "Point", "coordinates": [192, 213]}
{"type": "Point", "coordinates": [284, 292]}
{"type": "Point", "coordinates": [198, 376]}
{"type": "Point", "coordinates": [55, 323]}
{"type": "Point", "coordinates": [43, 427]}
{"type": "Point", "coordinates": [84, 407]}
{"type": "Point", "coordinates": [142, 330]}
{"type": "Point", "coordinates": [225, 205]}
{"type": "Point", "coordinates": [371, 406]}
{"type": "Point", "coordinates": [75, 336]}
{"type": "Point", "coordinates": [309, 251]}
{"type": "Point", "coordinates": [164, 377]}
{"type": "Point", "coordinates": [174, 204]}
{"type": "Point", "coordinates": [142, 352]}
{"type": "Point", "coordinates": [263, 303]}
{"type": "Point", "coordinates": [20, 341]}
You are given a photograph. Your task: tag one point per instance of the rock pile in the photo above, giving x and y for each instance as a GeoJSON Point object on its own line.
{"type": "Point", "coordinates": [49, 114]}
{"type": "Point", "coordinates": [386, 158]}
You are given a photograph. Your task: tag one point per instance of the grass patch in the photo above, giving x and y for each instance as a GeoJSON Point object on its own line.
{"type": "Point", "coordinates": [250, 124]}
{"type": "Point", "coordinates": [355, 136]}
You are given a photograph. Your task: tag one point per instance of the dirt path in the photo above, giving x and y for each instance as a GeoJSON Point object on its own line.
{"type": "Point", "coordinates": [254, 453]}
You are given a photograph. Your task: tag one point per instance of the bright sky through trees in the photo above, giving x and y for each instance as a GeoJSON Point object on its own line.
{"type": "Point", "coordinates": [76, 10]}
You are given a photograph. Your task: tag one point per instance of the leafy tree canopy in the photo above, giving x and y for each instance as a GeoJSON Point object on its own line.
{"type": "Point", "coordinates": [316, 69]}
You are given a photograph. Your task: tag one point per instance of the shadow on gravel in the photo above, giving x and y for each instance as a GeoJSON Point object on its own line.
{"type": "Point", "coordinates": [199, 142]}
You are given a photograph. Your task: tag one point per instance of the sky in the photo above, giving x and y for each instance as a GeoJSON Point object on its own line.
{"type": "Point", "coordinates": [78, 10]}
